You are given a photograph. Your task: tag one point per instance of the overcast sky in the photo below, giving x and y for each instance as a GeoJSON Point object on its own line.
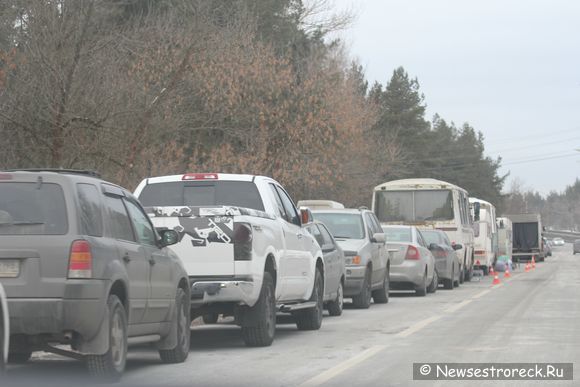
{"type": "Point", "coordinates": [510, 68]}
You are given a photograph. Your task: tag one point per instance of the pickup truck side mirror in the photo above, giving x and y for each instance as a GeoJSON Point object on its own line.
{"type": "Point", "coordinates": [306, 215]}
{"type": "Point", "coordinates": [168, 237]}
{"type": "Point", "coordinates": [379, 237]}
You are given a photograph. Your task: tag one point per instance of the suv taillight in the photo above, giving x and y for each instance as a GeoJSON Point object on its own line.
{"type": "Point", "coordinates": [243, 237]}
{"type": "Point", "coordinates": [412, 253]}
{"type": "Point", "coordinates": [80, 263]}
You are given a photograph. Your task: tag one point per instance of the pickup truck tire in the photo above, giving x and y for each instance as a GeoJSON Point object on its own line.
{"type": "Point", "coordinates": [421, 290]}
{"type": "Point", "coordinates": [335, 306]}
{"type": "Point", "coordinates": [363, 299]}
{"type": "Point", "coordinates": [381, 296]}
{"type": "Point", "coordinates": [210, 318]}
{"type": "Point", "coordinates": [2, 341]}
{"type": "Point", "coordinates": [434, 282]}
{"type": "Point", "coordinates": [262, 335]}
{"type": "Point", "coordinates": [182, 320]}
{"type": "Point", "coordinates": [311, 319]}
{"type": "Point", "coordinates": [110, 366]}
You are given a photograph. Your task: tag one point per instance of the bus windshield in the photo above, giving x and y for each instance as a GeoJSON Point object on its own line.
{"type": "Point", "coordinates": [414, 206]}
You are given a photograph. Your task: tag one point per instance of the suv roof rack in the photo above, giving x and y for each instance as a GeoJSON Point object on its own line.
{"type": "Point", "coordinates": [58, 170]}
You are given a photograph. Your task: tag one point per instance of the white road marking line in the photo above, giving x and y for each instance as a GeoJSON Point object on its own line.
{"type": "Point", "coordinates": [340, 368]}
{"type": "Point", "coordinates": [417, 327]}
{"type": "Point", "coordinates": [481, 294]}
{"type": "Point", "coordinates": [458, 306]}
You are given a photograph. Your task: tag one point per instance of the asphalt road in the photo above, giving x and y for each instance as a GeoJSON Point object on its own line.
{"type": "Point", "coordinates": [531, 317]}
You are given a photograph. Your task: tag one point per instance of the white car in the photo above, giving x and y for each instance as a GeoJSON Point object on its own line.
{"type": "Point", "coordinates": [4, 330]}
{"type": "Point", "coordinates": [558, 241]}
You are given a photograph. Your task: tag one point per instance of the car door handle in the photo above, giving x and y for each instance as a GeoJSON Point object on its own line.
{"type": "Point", "coordinates": [299, 235]}
{"type": "Point", "coordinates": [152, 261]}
{"type": "Point", "coordinates": [126, 258]}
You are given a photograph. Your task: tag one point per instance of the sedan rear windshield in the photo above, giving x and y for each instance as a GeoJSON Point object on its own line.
{"type": "Point", "coordinates": [202, 194]}
{"type": "Point", "coordinates": [32, 209]}
{"type": "Point", "coordinates": [398, 234]}
{"type": "Point", "coordinates": [345, 226]}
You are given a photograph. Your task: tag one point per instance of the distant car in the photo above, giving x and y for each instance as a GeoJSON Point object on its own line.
{"type": "Point", "coordinates": [547, 247]}
{"type": "Point", "coordinates": [83, 266]}
{"type": "Point", "coordinates": [413, 266]}
{"type": "Point", "coordinates": [576, 248]}
{"type": "Point", "coordinates": [4, 330]}
{"type": "Point", "coordinates": [360, 236]}
{"type": "Point", "coordinates": [334, 267]}
{"type": "Point", "coordinates": [447, 262]}
{"type": "Point", "coordinates": [558, 242]}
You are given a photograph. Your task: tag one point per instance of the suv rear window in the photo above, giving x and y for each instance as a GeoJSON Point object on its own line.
{"type": "Point", "coordinates": [202, 194]}
{"type": "Point", "coordinates": [32, 209]}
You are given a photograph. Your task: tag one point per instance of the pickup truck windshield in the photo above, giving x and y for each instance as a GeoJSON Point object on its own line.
{"type": "Point", "coordinates": [202, 194]}
{"type": "Point", "coordinates": [32, 209]}
{"type": "Point", "coordinates": [342, 226]}
{"type": "Point", "coordinates": [414, 206]}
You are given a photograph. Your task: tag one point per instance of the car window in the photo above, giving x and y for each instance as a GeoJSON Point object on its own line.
{"type": "Point", "coordinates": [119, 223]}
{"type": "Point", "coordinates": [278, 201]}
{"type": "Point", "coordinates": [368, 225]}
{"type": "Point", "coordinates": [143, 228]}
{"type": "Point", "coordinates": [420, 239]}
{"type": "Point", "coordinates": [32, 209]}
{"type": "Point", "coordinates": [342, 225]}
{"type": "Point", "coordinates": [398, 234]}
{"type": "Point", "coordinates": [431, 237]}
{"type": "Point", "coordinates": [90, 210]}
{"type": "Point", "coordinates": [326, 235]}
{"type": "Point", "coordinates": [313, 229]}
{"type": "Point", "coordinates": [291, 212]}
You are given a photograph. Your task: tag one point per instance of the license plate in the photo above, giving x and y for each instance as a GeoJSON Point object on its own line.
{"type": "Point", "coordinates": [9, 268]}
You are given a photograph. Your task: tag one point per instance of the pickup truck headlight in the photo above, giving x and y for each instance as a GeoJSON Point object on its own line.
{"type": "Point", "coordinates": [243, 237]}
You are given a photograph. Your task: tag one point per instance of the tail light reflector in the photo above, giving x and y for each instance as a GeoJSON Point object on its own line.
{"type": "Point", "coordinates": [80, 264]}
{"type": "Point", "coordinates": [412, 253]}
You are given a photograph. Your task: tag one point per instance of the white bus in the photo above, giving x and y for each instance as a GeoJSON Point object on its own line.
{"type": "Point", "coordinates": [432, 203]}
{"type": "Point", "coordinates": [485, 234]}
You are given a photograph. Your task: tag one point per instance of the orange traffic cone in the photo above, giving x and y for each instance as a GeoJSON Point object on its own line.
{"type": "Point", "coordinates": [533, 261]}
{"type": "Point", "coordinates": [491, 271]}
{"type": "Point", "coordinates": [496, 280]}
{"type": "Point", "coordinates": [507, 274]}
{"type": "Point", "coordinates": [527, 267]}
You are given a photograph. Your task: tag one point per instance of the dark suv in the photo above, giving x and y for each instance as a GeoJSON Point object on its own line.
{"type": "Point", "coordinates": [82, 265]}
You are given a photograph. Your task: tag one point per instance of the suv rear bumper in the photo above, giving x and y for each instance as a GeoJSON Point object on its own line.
{"type": "Point", "coordinates": [241, 290]}
{"type": "Point", "coordinates": [54, 316]}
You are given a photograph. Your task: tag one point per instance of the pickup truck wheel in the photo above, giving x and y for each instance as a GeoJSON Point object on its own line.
{"type": "Point", "coordinates": [381, 296]}
{"type": "Point", "coordinates": [434, 282]}
{"type": "Point", "coordinates": [421, 290]}
{"type": "Point", "coordinates": [110, 366]}
{"type": "Point", "coordinates": [262, 335]}
{"type": "Point", "coordinates": [311, 319]}
{"type": "Point", "coordinates": [210, 318]}
{"type": "Point", "coordinates": [2, 341]}
{"type": "Point", "coordinates": [182, 320]}
{"type": "Point", "coordinates": [335, 306]}
{"type": "Point", "coordinates": [363, 300]}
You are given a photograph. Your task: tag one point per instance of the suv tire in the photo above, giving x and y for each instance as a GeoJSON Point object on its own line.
{"type": "Point", "coordinates": [311, 319]}
{"type": "Point", "coordinates": [110, 366]}
{"type": "Point", "coordinates": [449, 284]}
{"type": "Point", "coordinates": [335, 306]}
{"type": "Point", "coordinates": [363, 299]}
{"type": "Point", "coordinates": [262, 335]}
{"type": "Point", "coordinates": [381, 296]}
{"type": "Point", "coordinates": [182, 320]}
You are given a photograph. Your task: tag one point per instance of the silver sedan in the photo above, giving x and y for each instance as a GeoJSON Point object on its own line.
{"type": "Point", "coordinates": [413, 265]}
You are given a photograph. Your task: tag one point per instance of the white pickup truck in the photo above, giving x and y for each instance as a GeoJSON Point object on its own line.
{"type": "Point", "coordinates": [245, 248]}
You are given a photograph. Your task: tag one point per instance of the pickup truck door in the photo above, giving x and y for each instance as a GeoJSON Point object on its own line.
{"type": "Point", "coordinates": [295, 262]}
